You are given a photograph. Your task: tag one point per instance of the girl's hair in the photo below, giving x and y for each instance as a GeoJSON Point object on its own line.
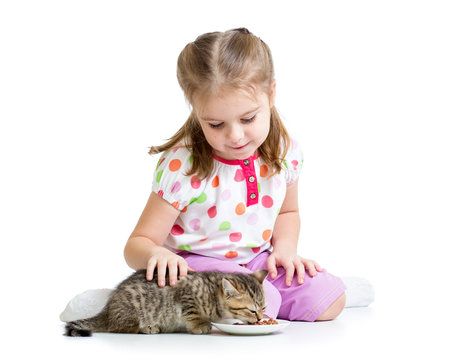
{"type": "Point", "coordinates": [219, 61]}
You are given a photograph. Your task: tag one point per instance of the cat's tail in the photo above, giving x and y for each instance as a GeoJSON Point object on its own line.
{"type": "Point", "coordinates": [85, 327]}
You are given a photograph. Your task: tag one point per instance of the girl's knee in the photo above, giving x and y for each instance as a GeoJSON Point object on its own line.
{"type": "Point", "coordinates": [333, 310]}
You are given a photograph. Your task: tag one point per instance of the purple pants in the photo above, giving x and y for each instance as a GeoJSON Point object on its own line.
{"type": "Point", "coordinates": [296, 302]}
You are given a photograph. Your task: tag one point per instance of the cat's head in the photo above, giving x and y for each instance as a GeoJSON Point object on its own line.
{"type": "Point", "coordinates": [242, 296]}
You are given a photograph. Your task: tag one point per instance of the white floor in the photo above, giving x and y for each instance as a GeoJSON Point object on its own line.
{"type": "Point", "coordinates": [358, 333]}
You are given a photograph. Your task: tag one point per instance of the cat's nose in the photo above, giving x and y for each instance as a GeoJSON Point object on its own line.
{"type": "Point", "coordinates": [259, 316]}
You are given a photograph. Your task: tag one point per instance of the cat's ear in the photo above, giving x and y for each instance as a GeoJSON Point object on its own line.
{"type": "Point", "coordinates": [260, 275]}
{"type": "Point", "coordinates": [228, 289]}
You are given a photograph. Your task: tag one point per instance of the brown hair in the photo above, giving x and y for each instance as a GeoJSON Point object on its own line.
{"type": "Point", "coordinates": [217, 61]}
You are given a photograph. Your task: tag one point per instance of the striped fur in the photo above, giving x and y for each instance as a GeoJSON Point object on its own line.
{"type": "Point", "coordinates": [141, 306]}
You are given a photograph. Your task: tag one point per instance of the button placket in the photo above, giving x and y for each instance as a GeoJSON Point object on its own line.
{"type": "Point", "coordinates": [249, 172]}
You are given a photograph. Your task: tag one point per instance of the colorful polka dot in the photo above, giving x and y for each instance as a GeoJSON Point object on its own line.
{"type": "Point", "coordinates": [159, 175]}
{"type": "Point", "coordinates": [250, 245]}
{"type": "Point", "coordinates": [231, 254]}
{"type": "Point", "coordinates": [239, 175]}
{"type": "Point", "coordinates": [263, 170]}
{"type": "Point", "coordinates": [177, 147]}
{"type": "Point", "coordinates": [295, 164]}
{"type": "Point", "coordinates": [212, 212]}
{"type": "Point", "coordinates": [174, 165]}
{"type": "Point", "coordinates": [184, 247]}
{"type": "Point", "coordinates": [160, 193]}
{"type": "Point", "coordinates": [267, 201]}
{"type": "Point", "coordinates": [240, 209]}
{"type": "Point", "coordinates": [266, 234]}
{"type": "Point", "coordinates": [226, 195]}
{"type": "Point", "coordinates": [175, 204]}
{"type": "Point", "coordinates": [195, 181]}
{"type": "Point", "coordinates": [216, 182]}
{"type": "Point", "coordinates": [235, 237]}
{"type": "Point", "coordinates": [225, 225]}
{"type": "Point", "coordinates": [195, 224]}
{"type": "Point", "coordinates": [192, 200]}
{"type": "Point", "coordinates": [202, 198]}
{"type": "Point", "coordinates": [176, 187]}
{"type": "Point", "coordinates": [254, 247]}
{"type": "Point", "coordinates": [177, 230]}
{"type": "Point", "coordinates": [161, 160]}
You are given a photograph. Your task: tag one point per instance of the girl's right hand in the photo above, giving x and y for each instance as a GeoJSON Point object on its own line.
{"type": "Point", "coordinates": [162, 259]}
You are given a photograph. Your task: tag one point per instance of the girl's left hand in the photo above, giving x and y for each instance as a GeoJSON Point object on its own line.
{"type": "Point", "coordinates": [291, 262]}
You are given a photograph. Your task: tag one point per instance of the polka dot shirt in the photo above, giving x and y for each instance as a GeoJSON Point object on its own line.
{"type": "Point", "coordinates": [229, 215]}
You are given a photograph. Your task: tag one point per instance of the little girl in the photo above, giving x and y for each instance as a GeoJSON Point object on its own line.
{"type": "Point", "coordinates": [225, 190]}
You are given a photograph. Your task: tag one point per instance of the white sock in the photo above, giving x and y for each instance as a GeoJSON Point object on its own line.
{"type": "Point", "coordinates": [359, 292]}
{"type": "Point", "coordinates": [85, 305]}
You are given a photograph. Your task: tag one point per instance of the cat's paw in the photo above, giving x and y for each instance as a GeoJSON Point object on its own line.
{"type": "Point", "coordinates": [145, 330]}
{"type": "Point", "coordinates": [201, 329]}
{"type": "Point", "coordinates": [154, 329]}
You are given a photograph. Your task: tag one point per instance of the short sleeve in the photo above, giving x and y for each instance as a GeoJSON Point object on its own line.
{"type": "Point", "coordinates": [293, 162]}
{"type": "Point", "coordinates": [171, 182]}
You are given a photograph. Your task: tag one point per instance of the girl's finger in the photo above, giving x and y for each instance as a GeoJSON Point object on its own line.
{"type": "Point", "coordinates": [150, 269]}
{"type": "Point", "coordinates": [300, 271]}
{"type": "Point", "coordinates": [172, 271]}
{"type": "Point", "coordinates": [183, 269]}
{"type": "Point", "coordinates": [310, 265]}
{"type": "Point", "coordinates": [271, 267]}
{"type": "Point", "coordinates": [161, 270]}
{"type": "Point", "coordinates": [289, 271]}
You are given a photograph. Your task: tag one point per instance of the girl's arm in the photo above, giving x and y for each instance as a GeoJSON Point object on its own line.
{"type": "Point", "coordinates": [285, 241]}
{"type": "Point", "coordinates": [144, 248]}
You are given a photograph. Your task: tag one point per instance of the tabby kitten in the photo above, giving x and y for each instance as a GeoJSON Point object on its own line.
{"type": "Point", "coordinates": [141, 306]}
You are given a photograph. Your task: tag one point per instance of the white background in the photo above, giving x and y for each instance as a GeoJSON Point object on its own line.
{"type": "Point", "coordinates": [87, 86]}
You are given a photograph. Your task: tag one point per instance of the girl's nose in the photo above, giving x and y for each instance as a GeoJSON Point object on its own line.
{"type": "Point", "coordinates": [235, 133]}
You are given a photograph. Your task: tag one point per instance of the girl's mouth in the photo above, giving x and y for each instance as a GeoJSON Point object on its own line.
{"type": "Point", "coordinates": [239, 147]}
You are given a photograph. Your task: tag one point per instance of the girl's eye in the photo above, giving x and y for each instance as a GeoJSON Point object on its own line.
{"type": "Point", "coordinates": [216, 126]}
{"type": "Point", "coordinates": [245, 121]}
{"type": "Point", "coordinates": [251, 119]}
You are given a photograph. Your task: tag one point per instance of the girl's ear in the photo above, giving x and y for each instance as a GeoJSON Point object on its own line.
{"type": "Point", "coordinates": [272, 93]}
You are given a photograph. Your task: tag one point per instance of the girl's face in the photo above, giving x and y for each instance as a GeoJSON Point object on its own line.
{"type": "Point", "coordinates": [235, 124]}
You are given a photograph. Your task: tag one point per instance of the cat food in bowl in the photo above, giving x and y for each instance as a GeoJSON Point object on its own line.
{"type": "Point", "coordinates": [268, 326]}
{"type": "Point", "coordinates": [269, 321]}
